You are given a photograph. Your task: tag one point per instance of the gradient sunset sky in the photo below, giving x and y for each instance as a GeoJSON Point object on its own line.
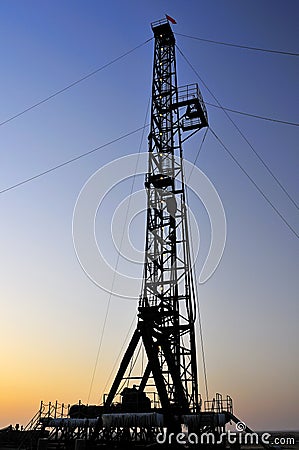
{"type": "Point", "coordinates": [51, 313]}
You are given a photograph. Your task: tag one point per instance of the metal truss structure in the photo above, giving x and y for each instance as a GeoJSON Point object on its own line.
{"type": "Point", "coordinates": [164, 394]}
{"type": "Point", "coordinates": [166, 312]}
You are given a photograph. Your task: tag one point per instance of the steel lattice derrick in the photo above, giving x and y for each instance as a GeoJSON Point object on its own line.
{"type": "Point", "coordinates": [167, 271]}
{"type": "Point", "coordinates": [166, 312]}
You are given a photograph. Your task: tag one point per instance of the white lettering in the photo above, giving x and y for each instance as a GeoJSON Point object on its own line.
{"type": "Point", "coordinates": [170, 437]}
{"type": "Point", "coordinates": [232, 438]}
{"type": "Point", "coordinates": [181, 438]}
{"type": "Point", "coordinates": [163, 435]}
{"type": "Point", "coordinates": [265, 438]}
{"type": "Point", "coordinates": [205, 438]}
{"type": "Point", "coordinates": [220, 440]}
{"type": "Point", "coordinates": [251, 438]}
{"type": "Point", "coordinates": [190, 440]}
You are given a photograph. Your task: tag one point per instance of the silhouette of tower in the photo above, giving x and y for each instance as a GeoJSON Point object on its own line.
{"type": "Point", "coordinates": [167, 307]}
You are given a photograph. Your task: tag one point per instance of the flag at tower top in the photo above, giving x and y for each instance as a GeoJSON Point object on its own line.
{"type": "Point", "coordinates": [171, 19]}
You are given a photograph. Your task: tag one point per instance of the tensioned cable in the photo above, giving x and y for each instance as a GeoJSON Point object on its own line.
{"type": "Point", "coordinates": [240, 132]}
{"type": "Point", "coordinates": [133, 363]}
{"type": "Point", "coordinates": [87, 153]}
{"type": "Point", "coordinates": [194, 281]}
{"type": "Point", "coordinates": [256, 116]}
{"type": "Point", "coordinates": [117, 261]}
{"type": "Point", "coordinates": [112, 62]}
{"type": "Point", "coordinates": [200, 326]}
{"type": "Point", "coordinates": [133, 320]}
{"type": "Point", "coordinates": [120, 353]}
{"type": "Point", "coordinates": [126, 382]}
{"type": "Point", "coordinates": [130, 328]}
{"type": "Point", "coordinates": [230, 44]}
{"type": "Point", "coordinates": [69, 86]}
{"type": "Point", "coordinates": [254, 183]}
{"type": "Point", "coordinates": [69, 161]}
{"type": "Point", "coordinates": [198, 152]}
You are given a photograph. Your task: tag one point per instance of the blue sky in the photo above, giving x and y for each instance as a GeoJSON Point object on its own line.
{"type": "Point", "coordinates": [52, 315]}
